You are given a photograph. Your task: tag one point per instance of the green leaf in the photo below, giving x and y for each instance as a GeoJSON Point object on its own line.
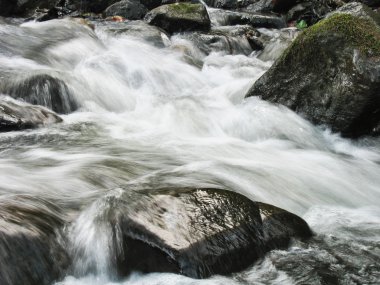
{"type": "Point", "coordinates": [301, 25]}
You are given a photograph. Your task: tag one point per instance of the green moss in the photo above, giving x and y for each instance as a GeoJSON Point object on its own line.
{"type": "Point", "coordinates": [185, 8]}
{"type": "Point", "coordinates": [361, 34]}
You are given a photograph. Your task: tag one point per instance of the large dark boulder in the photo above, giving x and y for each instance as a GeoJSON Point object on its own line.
{"type": "Point", "coordinates": [195, 232]}
{"type": "Point", "coordinates": [257, 20]}
{"type": "Point", "coordinates": [331, 74]}
{"type": "Point", "coordinates": [44, 90]}
{"type": "Point", "coordinates": [16, 115]}
{"type": "Point", "coordinates": [179, 17]}
{"type": "Point", "coordinates": [30, 253]}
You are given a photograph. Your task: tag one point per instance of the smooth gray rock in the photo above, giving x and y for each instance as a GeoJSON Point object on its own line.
{"type": "Point", "coordinates": [179, 17]}
{"type": "Point", "coordinates": [139, 29]}
{"type": "Point", "coordinates": [16, 115]}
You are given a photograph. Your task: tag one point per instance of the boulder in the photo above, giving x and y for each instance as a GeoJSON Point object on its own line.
{"type": "Point", "coordinates": [179, 17]}
{"type": "Point", "coordinates": [16, 115]}
{"type": "Point", "coordinates": [195, 232]}
{"type": "Point", "coordinates": [30, 253]}
{"type": "Point", "coordinates": [140, 30]}
{"type": "Point", "coordinates": [331, 74]}
{"type": "Point", "coordinates": [128, 9]}
{"type": "Point", "coordinates": [226, 39]}
{"type": "Point", "coordinates": [44, 90]}
{"type": "Point", "coordinates": [256, 20]}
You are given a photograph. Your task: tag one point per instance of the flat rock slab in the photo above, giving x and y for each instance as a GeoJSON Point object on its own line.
{"type": "Point", "coordinates": [16, 115]}
{"type": "Point", "coordinates": [196, 232]}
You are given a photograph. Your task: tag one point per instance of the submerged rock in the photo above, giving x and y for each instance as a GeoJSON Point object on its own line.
{"type": "Point", "coordinates": [257, 20]}
{"type": "Point", "coordinates": [179, 17]}
{"type": "Point", "coordinates": [331, 74]}
{"type": "Point", "coordinates": [196, 232]}
{"type": "Point", "coordinates": [228, 40]}
{"type": "Point", "coordinates": [44, 90]}
{"type": "Point", "coordinates": [30, 253]}
{"type": "Point", "coordinates": [275, 42]}
{"type": "Point", "coordinates": [128, 9]}
{"type": "Point", "coordinates": [16, 115]}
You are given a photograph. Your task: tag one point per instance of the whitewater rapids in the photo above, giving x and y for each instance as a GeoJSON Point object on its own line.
{"type": "Point", "coordinates": [150, 118]}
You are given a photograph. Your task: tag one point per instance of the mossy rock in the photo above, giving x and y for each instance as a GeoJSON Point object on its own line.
{"type": "Point", "coordinates": [194, 232]}
{"type": "Point", "coordinates": [179, 17]}
{"type": "Point", "coordinates": [330, 75]}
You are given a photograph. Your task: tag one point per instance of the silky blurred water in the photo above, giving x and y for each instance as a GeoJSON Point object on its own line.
{"type": "Point", "coordinates": [149, 118]}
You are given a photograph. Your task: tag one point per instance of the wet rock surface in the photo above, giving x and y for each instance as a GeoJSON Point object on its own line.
{"type": "Point", "coordinates": [330, 75]}
{"type": "Point", "coordinates": [196, 232]}
{"type": "Point", "coordinates": [16, 115]}
{"type": "Point", "coordinates": [129, 9]}
{"type": "Point", "coordinates": [257, 20]}
{"type": "Point", "coordinates": [140, 30]}
{"type": "Point", "coordinates": [44, 90]}
{"type": "Point", "coordinates": [179, 17]}
{"type": "Point", "coordinates": [228, 40]}
{"type": "Point", "coordinates": [30, 253]}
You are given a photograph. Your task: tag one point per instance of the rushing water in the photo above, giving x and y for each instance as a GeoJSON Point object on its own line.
{"type": "Point", "coordinates": [150, 117]}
